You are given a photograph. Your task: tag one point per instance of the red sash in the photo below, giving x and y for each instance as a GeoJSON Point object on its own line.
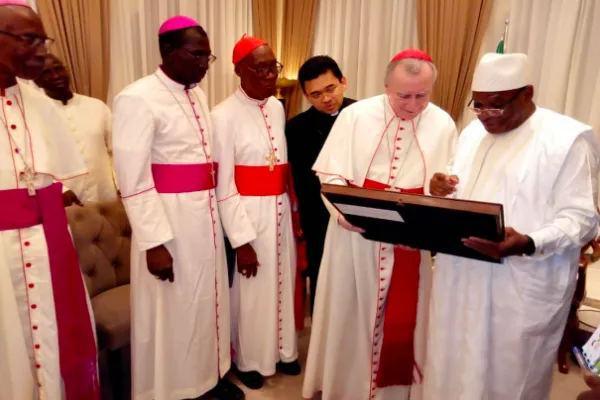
{"type": "Point", "coordinates": [77, 348]}
{"type": "Point", "coordinates": [260, 180]}
{"type": "Point", "coordinates": [397, 358]}
{"type": "Point", "coordinates": [184, 178]}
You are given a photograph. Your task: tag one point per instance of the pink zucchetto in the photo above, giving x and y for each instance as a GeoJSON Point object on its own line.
{"type": "Point", "coordinates": [176, 23]}
{"type": "Point", "coordinates": [22, 3]}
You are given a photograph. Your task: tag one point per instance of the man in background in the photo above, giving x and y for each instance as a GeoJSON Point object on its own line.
{"type": "Point", "coordinates": [502, 323]}
{"type": "Point", "coordinates": [255, 209]}
{"type": "Point", "coordinates": [47, 346]}
{"type": "Point", "coordinates": [323, 85]}
{"type": "Point", "coordinates": [90, 121]}
{"type": "Point", "coordinates": [370, 318]}
{"type": "Point", "coordinates": [165, 168]}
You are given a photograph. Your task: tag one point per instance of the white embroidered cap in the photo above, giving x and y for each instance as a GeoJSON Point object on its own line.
{"type": "Point", "coordinates": [500, 72]}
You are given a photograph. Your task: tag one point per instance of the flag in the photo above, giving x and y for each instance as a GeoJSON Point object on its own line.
{"type": "Point", "coordinates": [500, 47]}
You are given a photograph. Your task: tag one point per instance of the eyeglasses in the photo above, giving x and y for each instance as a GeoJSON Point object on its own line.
{"type": "Point", "coordinates": [211, 58]}
{"type": "Point", "coordinates": [328, 90]}
{"type": "Point", "coordinates": [264, 71]}
{"type": "Point", "coordinates": [30, 40]}
{"type": "Point", "coordinates": [494, 112]}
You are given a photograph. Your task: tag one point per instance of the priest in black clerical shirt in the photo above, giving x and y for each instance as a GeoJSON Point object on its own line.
{"type": "Point", "coordinates": [323, 85]}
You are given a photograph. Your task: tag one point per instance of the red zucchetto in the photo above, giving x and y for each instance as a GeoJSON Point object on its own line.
{"type": "Point", "coordinates": [245, 46]}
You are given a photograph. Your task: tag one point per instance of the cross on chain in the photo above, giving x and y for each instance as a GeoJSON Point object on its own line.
{"type": "Point", "coordinates": [272, 159]}
{"type": "Point", "coordinates": [27, 176]}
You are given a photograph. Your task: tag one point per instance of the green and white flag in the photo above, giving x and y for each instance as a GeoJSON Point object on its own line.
{"type": "Point", "coordinates": [501, 48]}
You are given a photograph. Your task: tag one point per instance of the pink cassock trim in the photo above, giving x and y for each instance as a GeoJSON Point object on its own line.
{"type": "Point", "coordinates": [76, 343]}
{"type": "Point", "coordinates": [137, 194]}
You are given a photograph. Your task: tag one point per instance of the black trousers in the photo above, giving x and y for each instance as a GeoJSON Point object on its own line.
{"type": "Point", "coordinates": [230, 254]}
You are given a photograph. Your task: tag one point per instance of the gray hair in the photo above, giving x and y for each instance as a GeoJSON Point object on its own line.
{"type": "Point", "coordinates": [411, 65]}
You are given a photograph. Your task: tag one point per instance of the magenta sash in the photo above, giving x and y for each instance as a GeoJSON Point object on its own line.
{"type": "Point", "coordinates": [77, 347]}
{"type": "Point", "coordinates": [184, 178]}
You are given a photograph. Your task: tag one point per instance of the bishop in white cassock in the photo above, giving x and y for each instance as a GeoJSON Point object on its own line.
{"type": "Point", "coordinates": [495, 328]}
{"type": "Point", "coordinates": [370, 316]}
{"type": "Point", "coordinates": [163, 151]}
{"type": "Point", "coordinates": [90, 123]}
{"type": "Point", "coordinates": [250, 148]}
{"type": "Point", "coordinates": [47, 344]}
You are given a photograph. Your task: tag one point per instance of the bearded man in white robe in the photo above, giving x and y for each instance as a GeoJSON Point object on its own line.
{"type": "Point", "coordinates": [163, 152]}
{"type": "Point", "coordinates": [47, 343]}
{"type": "Point", "coordinates": [495, 328]}
{"type": "Point", "coordinates": [250, 147]}
{"type": "Point", "coordinates": [370, 316]}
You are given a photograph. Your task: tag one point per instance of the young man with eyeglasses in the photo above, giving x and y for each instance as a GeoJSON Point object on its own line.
{"type": "Point", "coordinates": [90, 121]}
{"type": "Point", "coordinates": [323, 85]}
{"type": "Point", "coordinates": [47, 344]}
{"type": "Point", "coordinates": [164, 161]}
{"type": "Point", "coordinates": [501, 324]}
{"type": "Point", "coordinates": [371, 306]}
{"type": "Point", "coordinates": [255, 209]}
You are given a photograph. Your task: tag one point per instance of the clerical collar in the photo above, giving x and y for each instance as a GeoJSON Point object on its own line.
{"type": "Point", "coordinates": [170, 83]}
{"type": "Point", "coordinates": [335, 114]}
{"type": "Point", "coordinates": [249, 100]}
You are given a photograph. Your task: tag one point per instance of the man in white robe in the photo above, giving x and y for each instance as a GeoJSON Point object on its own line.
{"type": "Point", "coordinates": [47, 344]}
{"type": "Point", "coordinates": [250, 147]}
{"type": "Point", "coordinates": [368, 332]}
{"type": "Point", "coordinates": [495, 328]}
{"type": "Point", "coordinates": [163, 152]}
{"type": "Point", "coordinates": [91, 126]}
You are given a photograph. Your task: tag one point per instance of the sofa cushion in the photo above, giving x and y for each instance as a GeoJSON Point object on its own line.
{"type": "Point", "coordinates": [102, 236]}
{"type": "Point", "coordinates": [113, 317]}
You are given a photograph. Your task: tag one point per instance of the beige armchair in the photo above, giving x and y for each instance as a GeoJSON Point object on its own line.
{"type": "Point", "coordinates": [102, 237]}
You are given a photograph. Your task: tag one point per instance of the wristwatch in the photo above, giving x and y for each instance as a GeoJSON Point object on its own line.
{"type": "Point", "coordinates": [529, 247]}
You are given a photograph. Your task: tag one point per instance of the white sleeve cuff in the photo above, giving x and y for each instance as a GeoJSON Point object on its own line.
{"type": "Point", "coordinates": [541, 244]}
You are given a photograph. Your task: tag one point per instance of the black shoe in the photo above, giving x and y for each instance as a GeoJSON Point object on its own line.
{"type": "Point", "coordinates": [251, 379]}
{"type": "Point", "coordinates": [291, 368]}
{"type": "Point", "coordinates": [226, 390]}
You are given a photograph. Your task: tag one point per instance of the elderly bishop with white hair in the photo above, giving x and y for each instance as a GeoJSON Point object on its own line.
{"type": "Point", "coordinates": [495, 328]}
{"type": "Point", "coordinates": [370, 316]}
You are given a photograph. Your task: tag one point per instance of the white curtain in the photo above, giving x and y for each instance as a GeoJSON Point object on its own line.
{"type": "Point", "coordinates": [561, 39]}
{"type": "Point", "coordinates": [362, 36]}
{"type": "Point", "coordinates": [134, 39]}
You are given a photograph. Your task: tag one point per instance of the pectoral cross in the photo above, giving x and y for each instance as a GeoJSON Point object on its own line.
{"type": "Point", "coordinates": [272, 159]}
{"type": "Point", "coordinates": [27, 176]}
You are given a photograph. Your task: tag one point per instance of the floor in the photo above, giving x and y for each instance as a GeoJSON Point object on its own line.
{"type": "Point", "coordinates": [565, 387]}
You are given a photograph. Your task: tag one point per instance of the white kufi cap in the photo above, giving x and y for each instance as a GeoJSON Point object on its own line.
{"type": "Point", "coordinates": [500, 72]}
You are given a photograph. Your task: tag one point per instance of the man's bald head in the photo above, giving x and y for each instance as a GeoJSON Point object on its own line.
{"type": "Point", "coordinates": [22, 42]}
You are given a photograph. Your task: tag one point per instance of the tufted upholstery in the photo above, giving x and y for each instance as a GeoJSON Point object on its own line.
{"type": "Point", "coordinates": [102, 236]}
